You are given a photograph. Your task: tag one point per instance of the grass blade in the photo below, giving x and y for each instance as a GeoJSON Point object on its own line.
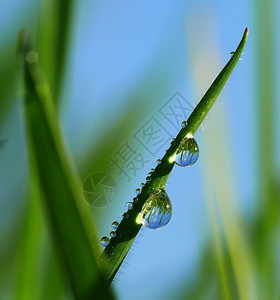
{"type": "Point", "coordinates": [59, 187]}
{"type": "Point", "coordinates": [53, 40]}
{"type": "Point", "coordinates": [265, 229]}
{"type": "Point", "coordinates": [118, 247]}
{"type": "Point", "coordinates": [28, 253]}
{"type": "Point", "coordinates": [55, 21]}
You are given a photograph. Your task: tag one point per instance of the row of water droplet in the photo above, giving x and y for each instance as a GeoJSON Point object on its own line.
{"type": "Point", "coordinates": [157, 210]}
{"type": "Point", "coordinates": [105, 240]}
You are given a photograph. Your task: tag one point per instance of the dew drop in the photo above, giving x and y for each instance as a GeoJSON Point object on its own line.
{"type": "Point", "coordinates": [125, 215]}
{"type": "Point", "coordinates": [172, 143]}
{"type": "Point", "coordinates": [184, 124]}
{"type": "Point", "coordinates": [115, 225]}
{"type": "Point", "coordinates": [104, 241]}
{"type": "Point", "coordinates": [142, 184]}
{"type": "Point", "coordinates": [231, 53]}
{"type": "Point", "coordinates": [138, 191]}
{"type": "Point", "coordinates": [157, 211]}
{"type": "Point", "coordinates": [158, 161]}
{"type": "Point", "coordinates": [129, 205]}
{"type": "Point", "coordinates": [148, 178]}
{"type": "Point", "coordinates": [187, 154]}
{"type": "Point", "coordinates": [113, 234]}
{"type": "Point", "coordinates": [135, 199]}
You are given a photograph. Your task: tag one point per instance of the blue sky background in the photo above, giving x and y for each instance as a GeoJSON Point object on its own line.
{"type": "Point", "coordinates": [123, 48]}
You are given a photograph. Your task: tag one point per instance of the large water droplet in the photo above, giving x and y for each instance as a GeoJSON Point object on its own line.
{"type": "Point", "coordinates": [129, 205]}
{"type": "Point", "coordinates": [104, 241]}
{"type": "Point", "coordinates": [187, 154]}
{"type": "Point", "coordinates": [115, 225]}
{"type": "Point", "coordinates": [156, 211]}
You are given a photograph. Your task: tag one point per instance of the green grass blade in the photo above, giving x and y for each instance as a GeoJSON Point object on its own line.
{"type": "Point", "coordinates": [28, 253]}
{"type": "Point", "coordinates": [59, 187]}
{"type": "Point", "coordinates": [53, 40]}
{"type": "Point", "coordinates": [267, 222]}
{"type": "Point", "coordinates": [7, 82]}
{"type": "Point", "coordinates": [218, 244]}
{"type": "Point", "coordinates": [118, 247]}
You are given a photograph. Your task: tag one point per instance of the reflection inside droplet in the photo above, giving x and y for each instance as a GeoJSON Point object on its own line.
{"type": "Point", "coordinates": [157, 211]}
{"type": "Point", "coordinates": [187, 154]}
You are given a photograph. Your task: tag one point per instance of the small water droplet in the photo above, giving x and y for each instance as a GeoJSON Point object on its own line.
{"type": "Point", "coordinates": [142, 184]}
{"type": "Point", "coordinates": [232, 52]}
{"type": "Point", "coordinates": [138, 191]}
{"type": "Point", "coordinates": [125, 215]}
{"type": "Point", "coordinates": [187, 154]}
{"type": "Point", "coordinates": [115, 225]}
{"type": "Point", "coordinates": [184, 124]}
{"type": "Point", "coordinates": [156, 211]}
{"type": "Point", "coordinates": [104, 241]}
{"type": "Point", "coordinates": [113, 234]}
{"type": "Point", "coordinates": [129, 205]}
{"type": "Point", "coordinates": [148, 178]}
{"type": "Point", "coordinates": [135, 199]}
{"type": "Point", "coordinates": [158, 161]}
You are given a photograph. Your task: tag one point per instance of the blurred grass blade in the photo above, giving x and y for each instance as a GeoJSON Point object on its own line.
{"type": "Point", "coordinates": [29, 254]}
{"type": "Point", "coordinates": [53, 39]}
{"type": "Point", "coordinates": [221, 264]}
{"type": "Point", "coordinates": [118, 247]}
{"type": "Point", "coordinates": [7, 82]}
{"type": "Point", "coordinates": [267, 222]}
{"type": "Point", "coordinates": [42, 278]}
{"type": "Point", "coordinates": [52, 43]}
{"type": "Point", "coordinates": [59, 187]}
